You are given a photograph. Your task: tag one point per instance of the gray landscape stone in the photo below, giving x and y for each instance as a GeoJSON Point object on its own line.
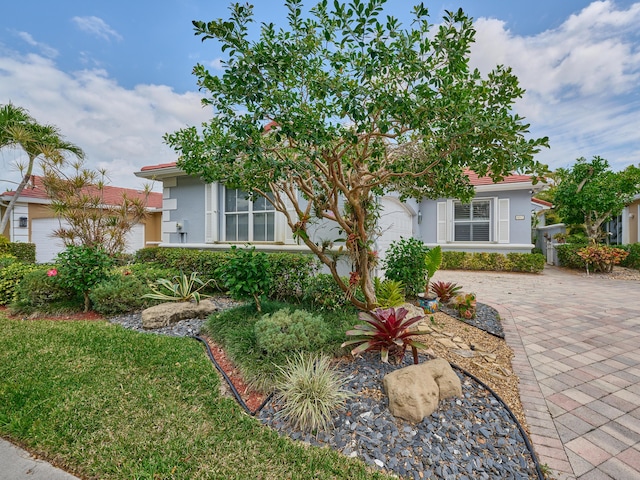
{"type": "Point", "coordinates": [169, 313]}
{"type": "Point", "coordinates": [414, 391]}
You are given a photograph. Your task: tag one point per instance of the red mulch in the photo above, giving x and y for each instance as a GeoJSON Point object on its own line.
{"type": "Point", "coordinates": [251, 398]}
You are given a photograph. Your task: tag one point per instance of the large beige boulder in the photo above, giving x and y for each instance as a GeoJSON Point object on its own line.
{"type": "Point", "coordinates": [167, 313]}
{"type": "Point", "coordinates": [414, 391]}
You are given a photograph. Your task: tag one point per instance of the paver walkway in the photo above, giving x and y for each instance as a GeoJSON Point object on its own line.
{"type": "Point", "coordinates": [576, 343]}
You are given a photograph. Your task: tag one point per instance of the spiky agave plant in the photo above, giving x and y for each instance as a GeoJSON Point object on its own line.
{"type": "Point", "coordinates": [387, 330]}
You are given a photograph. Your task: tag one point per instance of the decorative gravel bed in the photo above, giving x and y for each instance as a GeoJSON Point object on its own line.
{"type": "Point", "coordinates": [473, 437]}
{"type": "Point", "coordinates": [486, 318]}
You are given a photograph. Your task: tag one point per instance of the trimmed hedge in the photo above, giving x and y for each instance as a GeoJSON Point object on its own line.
{"type": "Point", "coordinates": [633, 259]}
{"type": "Point", "coordinates": [497, 262]}
{"type": "Point", "coordinates": [568, 255]}
{"type": "Point", "coordinates": [289, 271]}
{"type": "Point", "coordinates": [24, 252]}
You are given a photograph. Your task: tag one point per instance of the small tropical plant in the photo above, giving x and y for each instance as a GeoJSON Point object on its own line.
{"type": "Point", "coordinates": [465, 304]}
{"type": "Point", "coordinates": [602, 257]}
{"type": "Point", "coordinates": [387, 330]}
{"type": "Point", "coordinates": [432, 261]}
{"type": "Point", "coordinates": [390, 293]}
{"type": "Point", "coordinates": [246, 274]}
{"type": "Point", "coordinates": [179, 289]}
{"type": "Point", "coordinates": [310, 389]}
{"type": "Point", "coordinates": [445, 290]}
{"type": "Point", "coordinates": [405, 262]}
{"type": "Point", "coordinates": [80, 268]}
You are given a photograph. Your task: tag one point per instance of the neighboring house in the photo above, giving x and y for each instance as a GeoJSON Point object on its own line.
{"type": "Point", "coordinates": [630, 222]}
{"type": "Point", "coordinates": [33, 219]}
{"type": "Point", "coordinates": [539, 208]}
{"type": "Point", "coordinates": [210, 216]}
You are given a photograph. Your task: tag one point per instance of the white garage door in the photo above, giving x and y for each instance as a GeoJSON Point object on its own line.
{"type": "Point", "coordinates": [48, 247]}
{"type": "Point", "coordinates": [395, 222]}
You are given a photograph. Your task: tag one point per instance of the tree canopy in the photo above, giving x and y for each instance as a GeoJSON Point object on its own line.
{"type": "Point", "coordinates": [344, 104]}
{"type": "Point", "coordinates": [590, 193]}
{"type": "Point", "coordinates": [19, 130]}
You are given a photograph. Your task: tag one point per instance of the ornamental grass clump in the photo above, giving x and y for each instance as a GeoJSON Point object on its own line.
{"type": "Point", "coordinates": [387, 330]}
{"type": "Point", "coordinates": [310, 389]}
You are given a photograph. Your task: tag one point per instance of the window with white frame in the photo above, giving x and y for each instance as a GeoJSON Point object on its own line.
{"type": "Point", "coordinates": [246, 220]}
{"type": "Point", "coordinates": [472, 221]}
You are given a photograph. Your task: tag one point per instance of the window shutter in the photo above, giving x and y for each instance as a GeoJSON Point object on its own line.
{"type": "Point", "coordinates": [211, 212]}
{"type": "Point", "coordinates": [441, 223]}
{"type": "Point", "coordinates": [503, 220]}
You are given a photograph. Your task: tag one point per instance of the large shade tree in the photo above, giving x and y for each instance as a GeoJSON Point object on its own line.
{"type": "Point", "coordinates": [344, 104]}
{"type": "Point", "coordinates": [39, 142]}
{"type": "Point", "coordinates": [590, 193]}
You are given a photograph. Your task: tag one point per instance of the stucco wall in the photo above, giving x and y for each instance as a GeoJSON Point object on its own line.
{"type": "Point", "coordinates": [519, 230]}
{"type": "Point", "coordinates": [184, 204]}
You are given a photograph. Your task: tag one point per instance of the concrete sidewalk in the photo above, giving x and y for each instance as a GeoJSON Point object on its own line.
{"type": "Point", "coordinates": [18, 464]}
{"type": "Point", "coordinates": [576, 344]}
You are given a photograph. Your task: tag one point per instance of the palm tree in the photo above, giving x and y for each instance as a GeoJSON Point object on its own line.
{"type": "Point", "coordinates": [19, 130]}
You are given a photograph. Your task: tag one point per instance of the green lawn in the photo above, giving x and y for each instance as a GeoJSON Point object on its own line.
{"type": "Point", "coordinates": [110, 403]}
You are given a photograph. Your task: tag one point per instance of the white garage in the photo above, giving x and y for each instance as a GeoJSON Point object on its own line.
{"type": "Point", "coordinates": [48, 247]}
{"type": "Point", "coordinates": [396, 221]}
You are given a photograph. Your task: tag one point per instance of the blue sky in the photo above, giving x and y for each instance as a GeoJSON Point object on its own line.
{"type": "Point", "coordinates": [115, 76]}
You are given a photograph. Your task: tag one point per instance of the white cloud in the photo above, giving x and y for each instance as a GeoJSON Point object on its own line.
{"type": "Point", "coordinates": [96, 26]}
{"type": "Point", "coordinates": [120, 129]}
{"type": "Point", "coordinates": [46, 50]}
{"type": "Point", "coordinates": [581, 79]}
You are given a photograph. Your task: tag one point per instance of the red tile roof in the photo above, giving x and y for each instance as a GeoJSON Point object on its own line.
{"type": "Point", "coordinates": [473, 177]}
{"type": "Point", "coordinates": [112, 195]}
{"type": "Point", "coordinates": [539, 201]}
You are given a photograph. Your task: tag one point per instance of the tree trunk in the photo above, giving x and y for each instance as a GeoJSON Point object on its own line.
{"type": "Point", "coordinates": [16, 195]}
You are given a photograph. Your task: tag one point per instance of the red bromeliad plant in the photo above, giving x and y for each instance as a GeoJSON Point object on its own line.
{"type": "Point", "coordinates": [387, 330]}
{"type": "Point", "coordinates": [445, 290]}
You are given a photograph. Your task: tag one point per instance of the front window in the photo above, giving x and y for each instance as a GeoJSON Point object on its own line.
{"type": "Point", "coordinates": [247, 221]}
{"type": "Point", "coordinates": [472, 221]}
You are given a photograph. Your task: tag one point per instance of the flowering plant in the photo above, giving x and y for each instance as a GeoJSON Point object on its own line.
{"type": "Point", "coordinates": [52, 272]}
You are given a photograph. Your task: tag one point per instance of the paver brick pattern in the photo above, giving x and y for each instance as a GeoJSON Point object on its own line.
{"type": "Point", "coordinates": [576, 341]}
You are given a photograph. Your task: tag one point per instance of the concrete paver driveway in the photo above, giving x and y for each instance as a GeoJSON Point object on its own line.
{"type": "Point", "coordinates": [576, 341]}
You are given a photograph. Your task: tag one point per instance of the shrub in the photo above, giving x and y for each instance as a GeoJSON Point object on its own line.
{"type": "Point", "coordinates": [7, 259]}
{"type": "Point", "coordinates": [82, 267]}
{"type": "Point", "coordinates": [602, 258]}
{"type": "Point", "coordinates": [290, 273]}
{"type": "Point", "coordinates": [568, 255]}
{"type": "Point", "coordinates": [246, 274]}
{"type": "Point", "coordinates": [24, 252]}
{"type": "Point", "coordinates": [120, 294]}
{"type": "Point", "coordinates": [405, 262]}
{"type": "Point", "coordinates": [511, 262]}
{"type": "Point", "coordinates": [310, 390]}
{"type": "Point", "coordinates": [385, 330]}
{"type": "Point", "coordinates": [10, 276]}
{"type": "Point", "coordinates": [633, 259]}
{"type": "Point", "coordinates": [526, 262]}
{"type": "Point", "coordinates": [323, 293]}
{"type": "Point", "coordinates": [389, 293]}
{"type": "Point", "coordinates": [38, 291]}
{"type": "Point", "coordinates": [287, 330]}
